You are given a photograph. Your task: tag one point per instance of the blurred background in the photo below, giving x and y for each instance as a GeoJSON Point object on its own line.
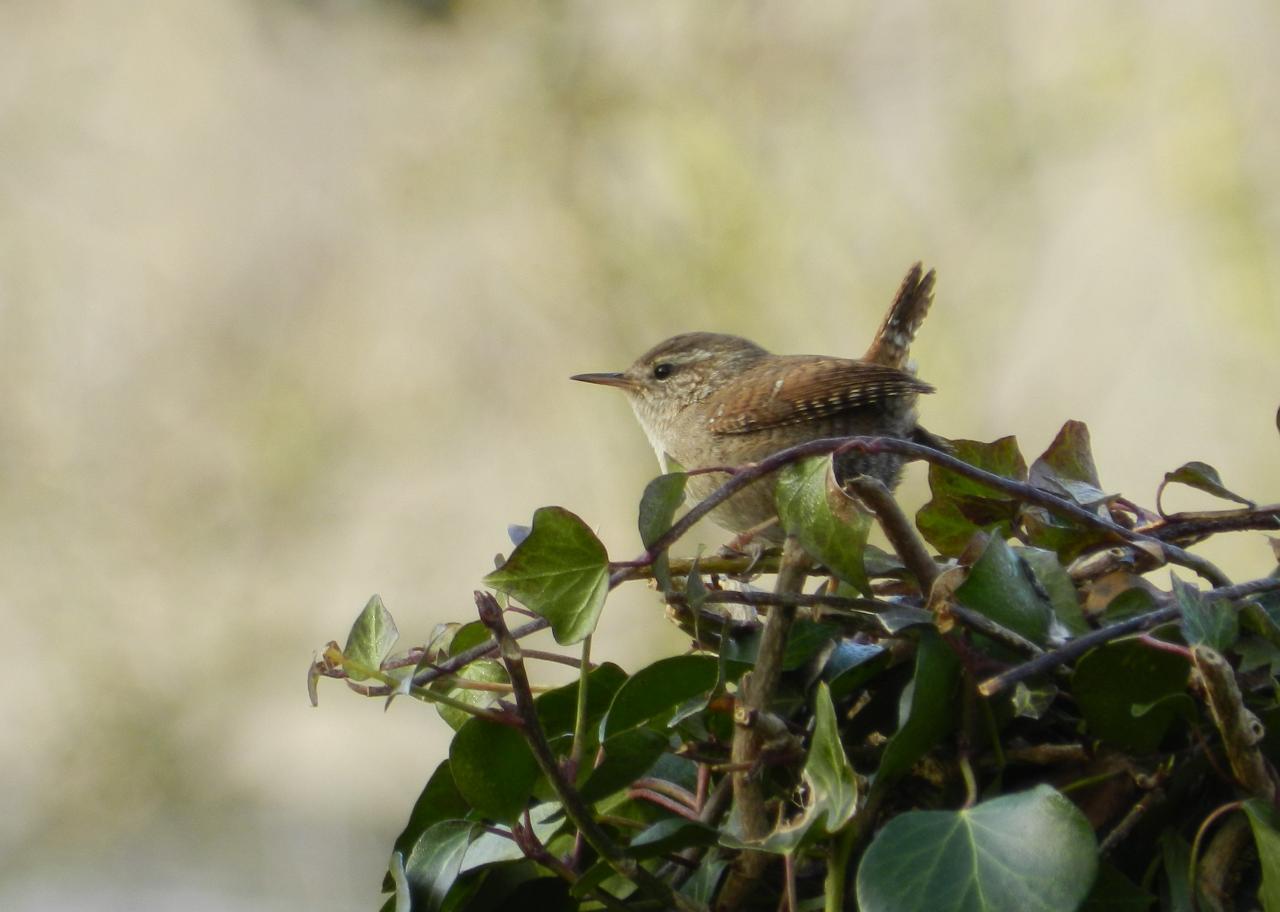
{"type": "Point", "coordinates": [290, 292]}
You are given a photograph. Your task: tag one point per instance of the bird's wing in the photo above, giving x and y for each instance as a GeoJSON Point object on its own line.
{"type": "Point", "coordinates": [798, 388]}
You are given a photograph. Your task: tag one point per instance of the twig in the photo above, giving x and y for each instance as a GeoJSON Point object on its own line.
{"type": "Point", "coordinates": [456, 663]}
{"type": "Point", "coordinates": [1240, 729]}
{"type": "Point", "coordinates": [1179, 526]}
{"type": "Point", "coordinates": [1029, 493]}
{"type": "Point", "coordinates": [1082, 644]}
{"type": "Point", "coordinates": [755, 693]}
{"type": "Point", "coordinates": [898, 529]}
{"type": "Point", "coordinates": [662, 801]}
{"type": "Point", "coordinates": [980, 623]}
{"type": "Point", "coordinates": [574, 807]}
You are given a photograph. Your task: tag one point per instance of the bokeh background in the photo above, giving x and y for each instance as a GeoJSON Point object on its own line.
{"type": "Point", "coordinates": [289, 293]}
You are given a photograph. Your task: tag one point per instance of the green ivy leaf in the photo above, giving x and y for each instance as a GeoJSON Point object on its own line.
{"type": "Point", "coordinates": [486, 671]}
{"type": "Point", "coordinates": [493, 768]}
{"type": "Point", "coordinates": [1113, 892]}
{"type": "Point", "coordinates": [830, 794]}
{"type": "Point", "coordinates": [852, 664]}
{"type": "Point", "coordinates": [926, 710]}
{"type": "Point", "coordinates": [994, 857]}
{"type": "Point", "coordinates": [1110, 681]}
{"type": "Point", "coordinates": [1175, 853]}
{"type": "Point", "coordinates": [1202, 477]}
{"type": "Point", "coordinates": [557, 709]}
{"type": "Point", "coordinates": [1212, 623]}
{"type": "Point", "coordinates": [961, 506]}
{"type": "Point", "coordinates": [628, 755]}
{"type": "Point", "coordinates": [662, 497]}
{"type": "Point", "coordinates": [1052, 579]}
{"type": "Point", "coordinates": [653, 694]}
{"type": "Point", "coordinates": [833, 787]}
{"type": "Point", "coordinates": [806, 639]}
{"type": "Point", "coordinates": [1066, 468]}
{"type": "Point", "coordinates": [370, 640]}
{"type": "Point", "coordinates": [561, 572]}
{"type": "Point", "coordinates": [830, 525]}
{"type": "Point", "coordinates": [671, 835]}
{"type": "Point", "coordinates": [1266, 834]}
{"type": "Point", "coordinates": [1001, 587]}
{"type": "Point", "coordinates": [432, 866]}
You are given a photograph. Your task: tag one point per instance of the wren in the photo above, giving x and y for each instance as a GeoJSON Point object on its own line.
{"type": "Point", "coordinates": [708, 399]}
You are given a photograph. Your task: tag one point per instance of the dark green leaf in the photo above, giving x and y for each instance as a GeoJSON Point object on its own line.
{"type": "Point", "coordinates": [851, 665]}
{"type": "Point", "coordinates": [656, 692]}
{"type": "Point", "coordinates": [1176, 855]}
{"type": "Point", "coordinates": [432, 866]}
{"type": "Point", "coordinates": [995, 857]}
{"type": "Point", "coordinates": [557, 709]}
{"type": "Point", "coordinates": [370, 640]}
{"type": "Point", "coordinates": [1000, 586]}
{"type": "Point", "coordinates": [1113, 892]}
{"type": "Point", "coordinates": [1111, 680]}
{"type": "Point", "coordinates": [1053, 579]}
{"type": "Point", "coordinates": [1266, 835]}
{"type": "Point", "coordinates": [1067, 468]}
{"type": "Point", "coordinates": [628, 755]}
{"type": "Point", "coordinates": [1135, 600]}
{"type": "Point", "coordinates": [1256, 653]}
{"type": "Point", "coordinates": [487, 671]}
{"type": "Point", "coordinates": [1212, 623]}
{"type": "Point", "coordinates": [830, 525]}
{"type": "Point", "coordinates": [493, 769]}
{"type": "Point", "coordinates": [467, 636]}
{"type": "Point", "coordinates": [702, 886]}
{"type": "Point", "coordinates": [805, 640]}
{"type": "Point", "coordinates": [927, 709]}
{"type": "Point", "coordinates": [961, 506]}
{"type": "Point", "coordinates": [833, 787]}
{"type": "Point", "coordinates": [658, 506]}
{"type": "Point", "coordinates": [1203, 477]}
{"type": "Point", "coordinates": [671, 835]}
{"type": "Point", "coordinates": [561, 572]}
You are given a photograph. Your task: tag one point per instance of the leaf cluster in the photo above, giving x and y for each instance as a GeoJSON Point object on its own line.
{"type": "Point", "coordinates": [1017, 707]}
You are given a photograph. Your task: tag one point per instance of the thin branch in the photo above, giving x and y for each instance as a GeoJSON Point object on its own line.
{"type": "Point", "coordinates": [662, 801]}
{"type": "Point", "coordinates": [1082, 644]}
{"type": "Point", "coordinates": [755, 693]}
{"type": "Point", "coordinates": [456, 663]}
{"type": "Point", "coordinates": [1179, 526]}
{"type": "Point", "coordinates": [898, 529]}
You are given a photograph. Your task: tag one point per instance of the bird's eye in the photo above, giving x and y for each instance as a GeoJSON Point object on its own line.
{"type": "Point", "coordinates": [662, 371]}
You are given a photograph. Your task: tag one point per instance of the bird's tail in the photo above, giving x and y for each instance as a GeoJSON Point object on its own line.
{"type": "Point", "coordinates": [892, 343]}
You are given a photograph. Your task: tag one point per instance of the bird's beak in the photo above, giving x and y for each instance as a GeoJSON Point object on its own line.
{"type": "Point", "coordinates": [622, 381]}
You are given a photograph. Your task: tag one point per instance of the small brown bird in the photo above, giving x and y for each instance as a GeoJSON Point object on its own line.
{"type": "Point", "coordinates": [707, 399]}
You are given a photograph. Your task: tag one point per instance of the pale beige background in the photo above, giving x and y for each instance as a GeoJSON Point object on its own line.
{"type": "Point", "coordinates": [289, 292]}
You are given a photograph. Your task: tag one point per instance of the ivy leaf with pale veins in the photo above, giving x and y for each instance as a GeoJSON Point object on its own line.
{"type": "Point", "coordinates": [560, 572]}
{"type": "Point", "coordinates": [1209, 622]}
{"type": "Point", "coordinates": [829, 524]}
{"type": "Point", "coordinates": [370, 641]}
{"type": "Point", "coordinates": [1029, 850]}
